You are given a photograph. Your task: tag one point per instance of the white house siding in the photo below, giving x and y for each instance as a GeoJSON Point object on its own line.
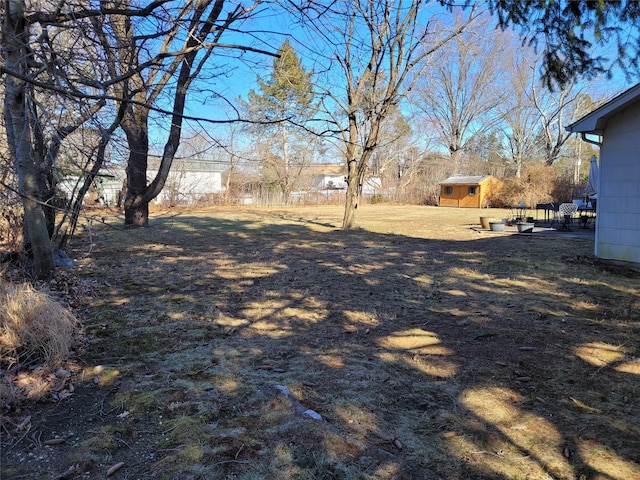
{"type": "Point", "coordinates": [329, 181]}
{"type": "Point", "coordinates": [372, 186]}
{"type": "Point", "coordinates": [618, 221]}
{"type": "Point", "coordinates": [189, 187]}
{"type": "Point", "coordinates": [105, 190]}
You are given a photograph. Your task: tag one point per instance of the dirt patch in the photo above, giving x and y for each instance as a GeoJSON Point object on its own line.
{"type": "Point", "coordinates": [426, 348]}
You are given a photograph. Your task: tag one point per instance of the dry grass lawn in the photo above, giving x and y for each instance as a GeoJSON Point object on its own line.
{"type": "Point", "coordinates": [429, 349]}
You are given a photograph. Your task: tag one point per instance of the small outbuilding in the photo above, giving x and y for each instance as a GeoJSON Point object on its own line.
{"type": "Point", "coordinates": [468, 191]}
{"type": "Point", "coordinates": [615, 127]}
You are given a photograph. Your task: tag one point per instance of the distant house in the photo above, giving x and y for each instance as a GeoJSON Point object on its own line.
{"type": "Point", "coordinates": [616, 126]}
{"type": "Point", "coordinates": [190, 181]}
{"type": "Point", "coordinates": [109, 183]}
{"type": "Point", "coordinates": [328, 177]}
{"type": "Point", "coordinates": [468, 191]}
{"type": "Point", "coordinates": [104, 190]}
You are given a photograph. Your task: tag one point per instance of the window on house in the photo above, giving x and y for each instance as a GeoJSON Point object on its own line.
{"type": "Point", "coordinates": [472, 191]}
{"type": "Point", "coordinates": [448, 190]}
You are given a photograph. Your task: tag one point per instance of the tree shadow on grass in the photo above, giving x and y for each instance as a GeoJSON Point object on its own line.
{"type": "Point", "coordinates": [486, 358]}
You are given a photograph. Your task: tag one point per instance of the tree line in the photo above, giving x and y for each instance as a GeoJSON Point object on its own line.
{"type": "Point", "coordinates": [85, 81]}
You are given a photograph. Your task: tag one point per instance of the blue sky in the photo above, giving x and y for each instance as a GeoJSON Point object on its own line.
{"type": "Point", "coordinates": [268, 30]}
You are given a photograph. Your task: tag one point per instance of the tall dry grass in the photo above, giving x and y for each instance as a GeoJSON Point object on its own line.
{"type": "Point", "coordinates": [34, 328]}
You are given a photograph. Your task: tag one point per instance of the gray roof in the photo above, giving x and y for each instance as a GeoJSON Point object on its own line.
{"type": "Point", "coordinates": [188, 164]}
{"type": "Point", "coordinates": [465, 180]}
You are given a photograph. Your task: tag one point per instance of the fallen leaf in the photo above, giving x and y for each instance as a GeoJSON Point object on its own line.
{"type": "Point", "coordinates": [115, 468]}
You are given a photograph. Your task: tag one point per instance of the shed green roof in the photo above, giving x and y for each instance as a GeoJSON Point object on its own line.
{"type": "Point", "coordinates": [465, 180]}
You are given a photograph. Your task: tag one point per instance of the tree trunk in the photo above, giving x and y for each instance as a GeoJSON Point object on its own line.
{"type": "Point", "coordinates": [355, 177]}
{"type": "Point", "coordinates": [357, 164]}
{"type": "Point", "coordinates": [286, 186]}
{"type": "Point", "coordinates": [518, 161]}
{"type": "Point", "coordinates": [228, 182]}
{"type": "Point", "coordinates": [136, 204]}
{"type": "Point", "coordinates": [46, 183]}
{"type": "Point", "coordinates": [350, 221]}
{"type": "Point", "coordinates": [135, 122]}
{"type": "Point", "coordinates": [136, 212]}
{"type": "Point", "coordinates": [19, 138]}
{"type": "Point", "coordinates": [455, 161]}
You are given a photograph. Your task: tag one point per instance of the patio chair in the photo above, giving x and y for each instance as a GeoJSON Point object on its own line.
{"type": "Point", "coordinates": [564, 216]}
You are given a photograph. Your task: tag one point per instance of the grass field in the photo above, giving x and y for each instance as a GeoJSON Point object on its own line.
{"type": "Point", "coordinates": [428, 348]}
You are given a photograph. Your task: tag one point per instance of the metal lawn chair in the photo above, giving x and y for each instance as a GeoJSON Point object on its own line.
{"type": "Point", "coordinates": [564, 217]}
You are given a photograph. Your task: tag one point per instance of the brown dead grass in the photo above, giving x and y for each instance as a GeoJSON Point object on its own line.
{"type": "Point", "coordinates": [34, 328]}
{"type": "Point", "coordinates": [35, 331]}
{"type": "Point", "coordinates": [430, 349]}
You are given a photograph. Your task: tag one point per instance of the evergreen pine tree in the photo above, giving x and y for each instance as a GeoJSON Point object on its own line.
{"type": "Point", "coordinates": [283, 103]}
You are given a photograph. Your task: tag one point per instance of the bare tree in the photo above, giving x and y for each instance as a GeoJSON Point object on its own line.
{"type": "Point", "coordinates": [409, 163]}
{"type": "Point", "coordinates": [231, 151]}
{"type": "Point", "coordinates": [394, 142]}
{"type": "Point", "coordinates": [48, 140]}
{"type": "Point", "coordinates": [162, 57]}
{"type": "Point", "coordinates": [127, 57]}
{"type": "Point", "coordinates": [557, 109]}
{"type": "Point", "coordinates": [66, 102]}
{"type": "Point", "coordinates": [92, 166]}
{"type": "Point", "coordinates": [419, 173]}
{"type": "Point", "coordinates": [521, 119]}
{"type": "Point", "coordinates": [378, 47]}
{"type": "Point", "coordinates": [462, 86]}
{"type": "Point", "coordinates": [15, 36]}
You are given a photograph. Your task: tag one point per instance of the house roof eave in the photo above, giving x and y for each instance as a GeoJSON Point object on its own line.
{"type": "Point", "coordinates": [595, 122]}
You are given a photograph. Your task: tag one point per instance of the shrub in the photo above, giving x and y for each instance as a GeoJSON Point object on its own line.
{"type": "Point", "coordinates": [378, 199]}
{"type": "Point", "coordinates": [565, 190]}
{"type": "Point", "coordinates": [536, 185]}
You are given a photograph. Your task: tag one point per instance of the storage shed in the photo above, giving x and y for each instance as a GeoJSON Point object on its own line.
{"type": "Point", "coordinates": [615, 127]}
{"type": "Point", "coordinates": [468, 191]}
